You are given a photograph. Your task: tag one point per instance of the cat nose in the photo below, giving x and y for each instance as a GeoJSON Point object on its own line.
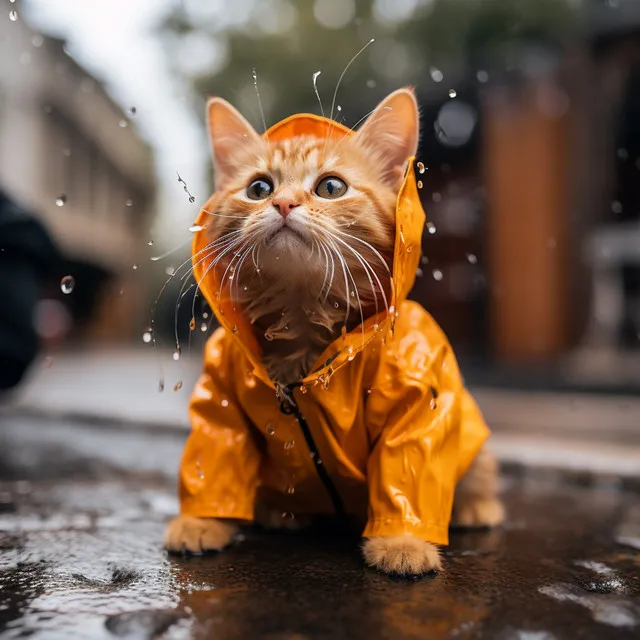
{"type": "Point", "coordinates": [285, 204]}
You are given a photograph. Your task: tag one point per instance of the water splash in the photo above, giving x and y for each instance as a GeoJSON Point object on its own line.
{"type": "Point", "coordinates": [254, 75]}
{"type": "Point", "coordinates": [315, 88]}
{"type": "Point", "coordinates": [192, 198]}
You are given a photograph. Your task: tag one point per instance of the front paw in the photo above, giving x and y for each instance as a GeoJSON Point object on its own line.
{"type": "Point", "coordinates": [402, 555]}
{"type": "Point", "coordinates": [186, 534]}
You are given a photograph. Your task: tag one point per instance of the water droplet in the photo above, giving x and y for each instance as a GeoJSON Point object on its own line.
{"type": "Point", "coordinates": [235, 328]}
{"type": "Point", "coordinates": [169, 271]}
{"type": "Point", "coordinates": [160, 386]}
{"type": "Point", "coordinates": [421, 168]}
{"type": "Point", "coordinates": [424, 260]}
{"type": "Point", "coordinates": [433, 404]}
{"type": "Point", "coordinates": [353, 294]}
{"type": "Point", "coordinates": [289, 444]}
{"type": "Point", "coordinates": [303, 389]}
{"type": "Point", "coordinates": [409, 248]}
{"type": "Point", "coordinates": [371, 84]}
{"type": "Point", "coordinates": [270, 430]}
{"type": "Point", "coordinates": [472, 258]}
{"type": "Point", "coordinates": [419, 272]}
{"type": "Point", "coordinates": [66, 153]}
{"type": "Point", "coordinates": [192, 324]}
{"type": "Point", "coordinates": [482, 76]}
{"type": "Point", "coordinates": [128, 202]}
{"type": "Point", "coordinates": [369, 391]}
{"type": "Point", "coordinates": [67, 284]}
{"type": "Point", "coordinates": [376, 327]}
{"type": "Point", "coordinates": [336, 305]}
{"type": "Point", "coordinates": [616, 207]}
{"type": "Point", "coordinates": [61, 200]}
{"type": "Point", "coordinates": [291, 489]}
{"type": "Point", "coordinates": [339, 108]}
{"type": "Point", "coordinates": [147, 336]}
{"type": "Point", "coordinates": [420, 185]}
{"type": "Point", "coordinates": [195, 227]}
{"type": "Point", "coordinates": [268, 335]}
{"type": "Point", "coordinates": [203, 327]}
{"type": "Point", "coordinates": [132, 111]}
{"type": "Point", "coordinates": [37, 41]}
{"type": "Point", "coordinates": [392, 309]}
{"type": "Point", "coordinates": [123, 124]}
{"type": "Point", "coordinates": [437, 275]}
{"type": "Point", "coordinates": [177, 386]}
{"type": "Point", "coordinates": [176, 353]}
{"type": "Point", "coordinates": [134, 267]}
{"type": "Point", "coordinates": [245, 288]}
{"type": "Point", "coordinates": [431, 228]}
{"type": "Point", "coordinates": [225, 403]}
{"type": "Point", "coordinates": [150, 243]}
{"type": "Point", "coordinates": [436, 197]}
{"type": "Point", "coordinates": [13, 15]}
{"type": "Point", "coordinates": [436, 74]}
{"type": "Point", "coordinates": [452, 93]}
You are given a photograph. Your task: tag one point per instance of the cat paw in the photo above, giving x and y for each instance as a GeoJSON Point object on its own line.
{"type": "Point", "coordinates": [186, 534]}
{"type": "Point", "coordinates": [402, 555]}
{"type": "Point", "coordinates": [478, 513]}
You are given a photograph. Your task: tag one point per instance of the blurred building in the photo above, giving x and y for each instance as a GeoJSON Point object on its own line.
{"type": "Point", "coordinates": [73, 157]}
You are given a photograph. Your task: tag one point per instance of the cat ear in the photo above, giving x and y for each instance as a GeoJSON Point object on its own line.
{"type": "Point", "coordinates": [228, 130]}
{"type": "Point", "coordinates": [391, 133]}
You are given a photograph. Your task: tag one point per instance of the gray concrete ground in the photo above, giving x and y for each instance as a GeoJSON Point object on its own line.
{"type": "Point", "coordinates": [82, 510]}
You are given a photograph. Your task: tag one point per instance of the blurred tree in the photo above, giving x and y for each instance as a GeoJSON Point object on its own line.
{"type": "Point", "coordinates": [218, 43]}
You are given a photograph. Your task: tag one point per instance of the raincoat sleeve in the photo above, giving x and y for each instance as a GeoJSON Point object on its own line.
{"type": "Point", "coordinates": [219, 469]}
{"type": "Point", "coordinates": [426, 431]}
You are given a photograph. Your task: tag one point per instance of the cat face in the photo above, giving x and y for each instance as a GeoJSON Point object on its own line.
{"type": "Point", "coordinates": [311, 213]}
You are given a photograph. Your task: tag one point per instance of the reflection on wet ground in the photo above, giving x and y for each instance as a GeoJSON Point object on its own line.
{"type": "Point", "coordinates": [80, 557]}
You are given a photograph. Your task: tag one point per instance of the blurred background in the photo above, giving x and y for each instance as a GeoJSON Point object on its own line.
{"type": "Point", "coordinates": [531, 142]}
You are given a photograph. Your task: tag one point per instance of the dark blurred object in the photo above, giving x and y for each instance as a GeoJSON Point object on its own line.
{"type": "Point", "coordinates": [28, 260]}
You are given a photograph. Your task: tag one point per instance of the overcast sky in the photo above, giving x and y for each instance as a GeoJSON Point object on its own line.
{"type": "Point", "coordinates": [114, 40]}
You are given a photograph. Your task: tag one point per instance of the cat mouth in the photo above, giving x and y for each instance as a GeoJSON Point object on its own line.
{"type": "Point", "coordinates": [287, 233]}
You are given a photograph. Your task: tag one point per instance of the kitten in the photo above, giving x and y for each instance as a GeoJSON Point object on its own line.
{"type": "Point", "coordinates": [305, 228]}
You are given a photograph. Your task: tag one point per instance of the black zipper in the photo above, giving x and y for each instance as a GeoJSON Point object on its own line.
{"type": "Point", "coordinates": [289, 406]}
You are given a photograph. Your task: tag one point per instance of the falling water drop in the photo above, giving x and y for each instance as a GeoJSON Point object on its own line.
{"type": "Point", "coordinates": [424, 260]}
{"type": "Point", "coordinates": [61, 200]}
{"type": "Point", "coordinates": [67, 284]}
{"type": "Point", "coordinates": [170, 271]}
{"type": "Point", "coordinates": [472, 258]}
{"type": "Point", "coordinates": [13, 15]}
{"type": "Point", "coordinates": [421, 168]}
{"type": "Point", "coordinates": [420, 185]}
{"type": "Point", "coordinates": [436, 74]}
{"type": "Point", "coordinates": [225, 403]}
{"type": "Point", "coordinates": [123, 124]}
{"type": "Point", "coordinates": [482, 76]}
{"type": "Point", "coordinates": [270, 430]}
{"type": "Point", "coordinates": [195, 227]}
{"type": "Point", "coordinates": [176, 353]}
{"type": "Point", "coordinates": [452, 93]}
{"type": "Point", "coordinates": [128, 202]}
{"type": "Point", "coordinates": [150, 243]}
{"type": "Point", "coordinates": [132, 111]}
{"type": "Point", "coordinates": [203, 327]}
{"type": "Point", "coordinates": [235, 328]}
{"type": "Point", "coordinates": [177, 386]}
{"type": "Point", "coordinates": [437, 275]}
{"type": "Point", "coordinates": [147, 336]}
{"type": "Point", "coordinates": [419, 272]}
{"type": "Point", "coordinates": [160, 385]}
{"type": "Point", "coordinates": [431, 228]}
{"type": "Point", "coordinates": [134, 267]}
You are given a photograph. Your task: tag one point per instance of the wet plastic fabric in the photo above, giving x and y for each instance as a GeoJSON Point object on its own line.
{"type": "Point", "coordinates": [392, 424]}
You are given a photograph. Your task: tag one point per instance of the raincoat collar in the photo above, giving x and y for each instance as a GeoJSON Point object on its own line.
{"type": "Point", "coordinates": [410, 220]}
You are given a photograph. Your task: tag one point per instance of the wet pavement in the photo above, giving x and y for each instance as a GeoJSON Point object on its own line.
{"type": "Point", "coordinates": [82, 511]}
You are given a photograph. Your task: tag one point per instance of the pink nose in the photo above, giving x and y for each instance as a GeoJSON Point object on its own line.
{"type": "Point", "coordinates": [284, 204]}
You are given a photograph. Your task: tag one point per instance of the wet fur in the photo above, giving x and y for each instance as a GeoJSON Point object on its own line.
{"type": "Point", "coordinates": [276, 276]}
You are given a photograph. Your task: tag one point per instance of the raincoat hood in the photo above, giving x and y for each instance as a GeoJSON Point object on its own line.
{"type": "Point", "coordinates": [410, 220]}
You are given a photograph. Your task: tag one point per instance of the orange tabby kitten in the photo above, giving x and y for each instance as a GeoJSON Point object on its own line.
{"type": "Point", "coordinates": [289, 205]}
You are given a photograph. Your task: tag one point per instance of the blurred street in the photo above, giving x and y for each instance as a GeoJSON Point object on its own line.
{"type": "Point", "coordinates": [82, 512]}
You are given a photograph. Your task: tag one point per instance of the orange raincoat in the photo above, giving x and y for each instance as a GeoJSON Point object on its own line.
{"type": "Point", "coordinates": [381, 430]}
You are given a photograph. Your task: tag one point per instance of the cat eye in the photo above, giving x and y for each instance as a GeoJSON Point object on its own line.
{"type": "Point", "coordinates": [259, 189]}
{"type": "Point", "coordinates": [331, 187]}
